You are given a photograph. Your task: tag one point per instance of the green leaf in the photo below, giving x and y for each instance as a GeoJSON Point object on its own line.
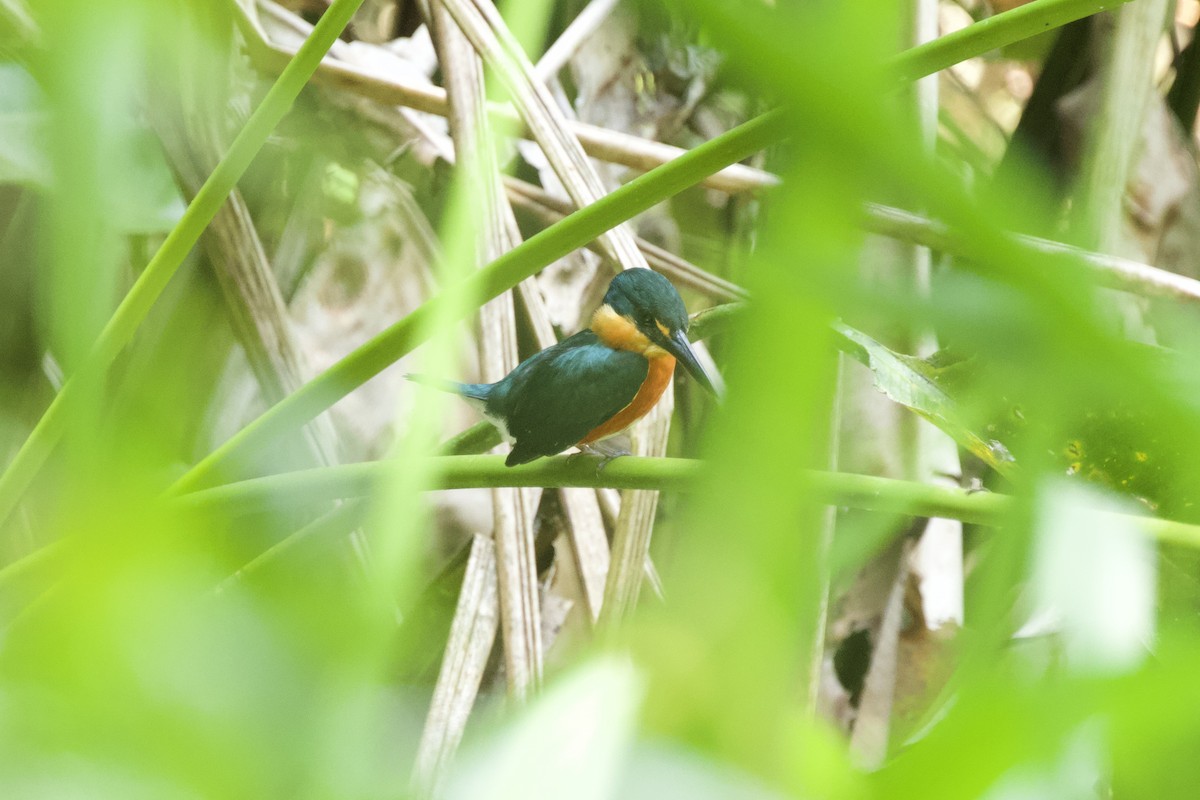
{"type": "Point", "coordinates": [1095, 576]}
{"type": "Point", "coordinates": [23, 119]}
{"type": "Point", "coordinates": [570, 743]}
{"type": "Point", "coordinates": [145, 199]}
{"type": "Point", "coordinates": [149, 201]}
{"type": "Point", "coordinates": [917, 384]}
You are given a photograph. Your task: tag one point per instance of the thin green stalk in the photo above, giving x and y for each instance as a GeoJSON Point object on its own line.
{"type": "Point", "coordinates": [1112, 150]}
{"type": "Point", "coordinates": [321, 485]}
{"type": "Point", "coordinates": [324, 484]}
{"type": "Point", "coordinates": [714, 320]}
{"type": "Point", "coordinates": [327, 527]}
{"type": "Point", "coordinates": [1023, 22]}
{"type": "Point", "coordinates": [133, 309]}
{"type": "Point", "coordinates": [479, 438]}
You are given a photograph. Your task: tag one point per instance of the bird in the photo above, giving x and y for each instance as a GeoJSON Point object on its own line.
{"type": "Point", "coordinates": [596, 383]}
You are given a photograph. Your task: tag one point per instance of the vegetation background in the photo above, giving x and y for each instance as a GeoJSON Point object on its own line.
{"type": "Point", "coordinates": [938, 539]}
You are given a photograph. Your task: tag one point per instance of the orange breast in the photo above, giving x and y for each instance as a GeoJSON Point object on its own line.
{"type": "Point", "coordinates": [655, 384]}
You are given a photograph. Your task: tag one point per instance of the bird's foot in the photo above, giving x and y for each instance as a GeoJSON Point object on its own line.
{"type": "Point", "coordinates": [604, 451]}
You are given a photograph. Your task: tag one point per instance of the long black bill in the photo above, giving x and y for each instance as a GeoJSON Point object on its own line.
{"type": "Point", "coordinates": [681, 348]}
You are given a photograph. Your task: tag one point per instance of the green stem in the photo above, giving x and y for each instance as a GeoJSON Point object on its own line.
{"type": "Point", "coordinates": [133, 309]}
{"type": "Point", "coordinates": [1023, 22]}
{"type": "Point", "coordinates": [325, 484]}
{"type": "Point", "coordinates": [325, 528]}
{"type": "Point", "coordinates": [322, 485]}
{"type": "Point", "coordinates": [479, 438]}
{"type": "Point", "coordinates": [714, 320]}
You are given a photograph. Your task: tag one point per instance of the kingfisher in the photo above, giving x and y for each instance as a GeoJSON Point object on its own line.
{"type": "Point", "coordinates": [597, 383]}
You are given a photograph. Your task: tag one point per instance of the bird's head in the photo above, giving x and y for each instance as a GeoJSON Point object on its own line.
{"type": "Point", "coordinates": [644, 313]}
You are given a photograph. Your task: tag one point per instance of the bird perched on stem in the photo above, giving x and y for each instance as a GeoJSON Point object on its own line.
{"type": "Point", "coordinates": [596, 383]}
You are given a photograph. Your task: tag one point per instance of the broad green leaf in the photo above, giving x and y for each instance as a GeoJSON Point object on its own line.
{"type": "Point", "coordinates": [914, 383]}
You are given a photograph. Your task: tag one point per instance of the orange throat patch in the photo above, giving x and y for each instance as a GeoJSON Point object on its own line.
{"type": "Point", "coordinates": [618, 332]}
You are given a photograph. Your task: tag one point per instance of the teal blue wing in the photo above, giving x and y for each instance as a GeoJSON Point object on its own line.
{"type": "Point", "coordinates": [558, 397]}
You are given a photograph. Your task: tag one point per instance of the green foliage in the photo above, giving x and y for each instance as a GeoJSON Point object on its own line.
{"type": "Point", "coordinates": [23, 119]}
{"type": "Point", "coordinates": [170, 633]}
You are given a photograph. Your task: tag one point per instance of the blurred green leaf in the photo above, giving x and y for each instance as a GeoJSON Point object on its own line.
{"type": "Point", "coordinates": [221, 644]}
{"type": "Point", "coordinates": [657, 770]}
{"type": "Point", "coordinates": [571, 742]}
{"type": "Point", "coordinates": [133, 309]}
{"type": "Point", "coordinates": [23, 119]}
{"type": "Point", "coordinates": [149, 201]}
{"type": "Point", "coordinates": [1095, 576]}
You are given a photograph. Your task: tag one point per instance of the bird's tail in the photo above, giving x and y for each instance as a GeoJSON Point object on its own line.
{"type": "Point", "coordinates": [473, 391]}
